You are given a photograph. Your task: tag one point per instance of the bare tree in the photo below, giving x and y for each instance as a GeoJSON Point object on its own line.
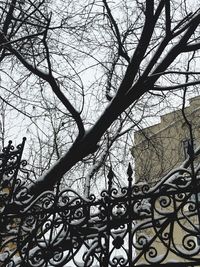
{"type": "Point", "coordinates": [102, 61]}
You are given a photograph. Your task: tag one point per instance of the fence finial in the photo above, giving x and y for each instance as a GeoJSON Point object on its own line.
{"type": "Point", "coordinates": [129, 170]}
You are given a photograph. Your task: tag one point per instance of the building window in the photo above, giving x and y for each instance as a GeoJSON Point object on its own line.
{"type": "Point", "coordinates": [186, 143]}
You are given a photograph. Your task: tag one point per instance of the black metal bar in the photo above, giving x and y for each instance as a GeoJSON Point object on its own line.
{"type": "Point", "coordinates": [120, 229]}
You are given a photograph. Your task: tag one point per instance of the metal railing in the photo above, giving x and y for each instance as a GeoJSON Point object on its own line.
{"type": "Point", "coordinates": [131, 226]}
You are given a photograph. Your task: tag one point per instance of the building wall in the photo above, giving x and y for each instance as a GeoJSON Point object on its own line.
{"type": "Point", "coordinates": [160, 148]}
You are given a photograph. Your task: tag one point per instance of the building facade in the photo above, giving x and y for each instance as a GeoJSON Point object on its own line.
{"type": "Point", "coordinates": [161, 147]}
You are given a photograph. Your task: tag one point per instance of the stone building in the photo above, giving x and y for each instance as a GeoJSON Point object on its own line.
{"type": "Point", "coordinates": [161, 147]}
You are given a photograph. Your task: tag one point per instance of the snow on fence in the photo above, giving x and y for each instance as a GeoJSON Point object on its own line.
{"type": "Point", "coordinates": [131, 226]}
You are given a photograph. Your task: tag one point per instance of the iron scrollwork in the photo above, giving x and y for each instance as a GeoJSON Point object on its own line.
{"type": "Point", "coordinates": [131, 226]}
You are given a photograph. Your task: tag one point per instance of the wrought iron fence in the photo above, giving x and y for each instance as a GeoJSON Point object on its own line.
{"type": "Point", "coordinates": [131, 226]}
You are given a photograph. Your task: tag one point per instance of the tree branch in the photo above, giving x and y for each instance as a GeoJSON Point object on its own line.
{"type": "Point", "coordinates": [192, 47]}
{"type": "Point", "coordinates": [174, 72]}
{"type": "Point", "coordinates": [116, 31]}
{"type": "Point", "coordinates": [179, 86]}
{"type": "Point", "coordinates": [142, 46]}
{"type": "Point", "coordinates": [167, 18]}
{"type": "Point", "coordinates": [4, 44]}
{"type": "Point", "coordinates": [55, 87]}
{"type": "Point", "coordinates": [176, 50]}
{"type": "Point", "coordinates": [9, 17]}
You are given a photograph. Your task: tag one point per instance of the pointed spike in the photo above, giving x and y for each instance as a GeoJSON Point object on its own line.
{"type": "Point", "coordinates": [130, 170]}
{"type": "Point", "coordinates": [9, 144]}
